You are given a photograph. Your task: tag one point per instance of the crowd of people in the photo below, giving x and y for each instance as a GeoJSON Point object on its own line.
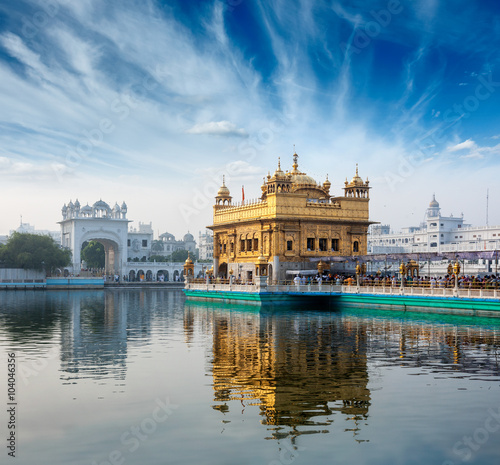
{"type": "Point", "coordinates": [447, 281]}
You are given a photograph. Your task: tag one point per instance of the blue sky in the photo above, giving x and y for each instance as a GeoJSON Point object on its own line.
{"type": "Point", "coordinates": [150, 102]}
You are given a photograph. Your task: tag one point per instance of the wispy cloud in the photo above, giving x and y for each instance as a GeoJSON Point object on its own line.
{"type": "Point", "coordinates": [108, 94]}
{"type": "Point", "coordinates": [218, 128]}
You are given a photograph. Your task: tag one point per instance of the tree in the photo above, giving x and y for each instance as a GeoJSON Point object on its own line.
{"type": "Point", "coordinates": [94, 255]}
{"type": "Point", "coordinates": [33, 252]}
{"type": "Point", "coordinates": [157, 258]}
{"type": "Point", "coordinates": [179, 256]}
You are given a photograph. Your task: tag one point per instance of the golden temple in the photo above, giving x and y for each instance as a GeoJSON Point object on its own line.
{"type": "Point", "coordinates": [295, 221]}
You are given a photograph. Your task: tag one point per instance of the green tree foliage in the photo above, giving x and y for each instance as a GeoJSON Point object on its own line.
{"type": "Point", "coordinates": [33, 252]}
{"type": "Point", "coordinates": [179, 256]}
{"type": "Point", "coordinates": [93, 254]}
{"type": "Point", "coordinates": [158, 258]}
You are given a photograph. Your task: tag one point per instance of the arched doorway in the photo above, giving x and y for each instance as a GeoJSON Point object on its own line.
{"type": "Point", "coordinates": [149, 275]}
{"type": "Point", "coordinates": [131, 275]}
{"type": "Point", "coordinates": [222, 272]}
{"type": "Point", "coordinates": [140, 276]}
{"type": "Point", "coordinates": [162, 275]}
{"type": "Point", "coordinates": [176, 275]}
{"type": "Point", "coordinates": [101, 223]}
{"type": "Point", "coordinates": [93, 258]}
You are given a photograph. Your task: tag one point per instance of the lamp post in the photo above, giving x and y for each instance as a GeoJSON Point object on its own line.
{"type": "Point", "coordinates": [402, 272]}
{"type": "Point", "coordinates": [456, 272]}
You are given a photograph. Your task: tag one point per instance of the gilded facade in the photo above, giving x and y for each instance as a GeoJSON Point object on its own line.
{"type": "Point", "coordinates": [295, 220]}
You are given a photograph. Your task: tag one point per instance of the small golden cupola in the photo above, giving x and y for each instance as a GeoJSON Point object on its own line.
{"type": "Point", "coordinates": [188, 267]}
{"type": "Point", "coordinates": [326, 185]}
{"type": "Point", "coordinates": [279, 182]}
{"type": "Point", "coordinates": [357, 188]}
{"type": "Point", "coordinates": [223, 195]}
{"type": "Point", "coordinates": [299, 179]}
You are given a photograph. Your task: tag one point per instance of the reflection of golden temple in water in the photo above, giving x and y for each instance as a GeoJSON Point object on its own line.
{"type": "Point", "coordinates": [296, 370]}
{"type": "Point", "coordinates": [302, 369]}
{"type": "Point", "coordinates": [300, 372]}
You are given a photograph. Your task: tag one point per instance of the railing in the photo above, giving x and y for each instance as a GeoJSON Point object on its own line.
{"type": "Point", "coordinates": [425, 288]}
{"type": "Point", "coordinates": [424, 292]}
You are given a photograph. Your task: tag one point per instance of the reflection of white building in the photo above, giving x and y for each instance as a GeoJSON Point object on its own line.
{"type": "Point", "coordinates": [206, 245]}
{"type": "Point", "coordinates": [437, 233]}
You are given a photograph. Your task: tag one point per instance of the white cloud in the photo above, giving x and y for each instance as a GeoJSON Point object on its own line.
{"type": "Point", "coordinates": [466, 145]}
{"type": "Point", "coordinates": [218, 128]}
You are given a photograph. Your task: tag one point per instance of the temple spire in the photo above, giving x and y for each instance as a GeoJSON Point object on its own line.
{"type": "Point", "coordinates": [295, 160]}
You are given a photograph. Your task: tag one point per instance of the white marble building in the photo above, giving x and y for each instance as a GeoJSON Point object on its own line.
{"type": "Point", "coordinates": [98, 222]}
{"type": "Point", "coordinates": [440, 234]}
{"type": "Point", "coordinates": [127, 250]}
{"type": "Point", "coordinates": [206, 245]}
{"type": "Point", "coordinates": [437, 233]}
{"type": "Point", "coordinates": [139, 242]}
{"type": "Point", "coordinates": [26, 228]}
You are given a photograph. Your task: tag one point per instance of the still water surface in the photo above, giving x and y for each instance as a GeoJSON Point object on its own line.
{"type": "Point", "coordinates": [144, 377]}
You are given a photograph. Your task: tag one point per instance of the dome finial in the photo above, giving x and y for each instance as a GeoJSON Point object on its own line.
{"type": "Point", "coordinates": [357, 169]}
{"type": "Point", "coordinates": [295, 161]}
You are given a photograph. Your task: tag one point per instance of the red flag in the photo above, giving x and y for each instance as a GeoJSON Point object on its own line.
{"type": "Point", "coordinates": [242, 194]}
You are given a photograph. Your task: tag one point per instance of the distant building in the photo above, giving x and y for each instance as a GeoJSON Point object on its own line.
{"type": "Point", "coordinates": [26, 228]}
{"type": "Point", "coordinates": [437, 233]}
{"type": "Point", "coordinates": [440, 234]}
{"type": "Point", "coordinates": [123, 247]}
{"type": "Point", "coordinates": [167, 243]}
{"type": "Point", "coordinates": [206, 245]}
{"type": "Point", "coordinates": [139, 242]}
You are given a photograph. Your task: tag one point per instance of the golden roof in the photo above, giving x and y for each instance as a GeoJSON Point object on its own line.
{"type": "Point", "coordinates": [434, 203]}
{"type": "Point", "coordinates": [223, 190]}
{"type": "Point", "coordinates": [356, 180]}
{"type": "Point", "coordinates": [300, 178]}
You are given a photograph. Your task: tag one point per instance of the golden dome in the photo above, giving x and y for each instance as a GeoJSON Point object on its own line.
{"type": "Point", "coordinates": [434, 203]}
{"type": "Point", "coordinates": [302, 179]}
{"type": "Point", "coordinates": [327, 184]}
{"type": "Point", "coordinates": [299, 178]}
{"type": "Point", "coordinates": [279, 174]}
{"type": "Point", "coordinates": [356, 180]}
{"type": "Point", "coordinates": [188, 261]}
{"type": "Point", "coordinates": [223, 191]}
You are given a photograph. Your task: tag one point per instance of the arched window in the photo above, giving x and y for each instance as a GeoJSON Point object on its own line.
{"type": "Point", "coordinates": [355, 246]}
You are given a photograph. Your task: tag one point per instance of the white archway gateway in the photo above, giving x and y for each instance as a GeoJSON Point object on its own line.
{"type": "Point", "coordinates": [98, 222]}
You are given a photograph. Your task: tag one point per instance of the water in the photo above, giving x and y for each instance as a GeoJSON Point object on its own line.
{"type": "Point", "coordinates": [143, 377]}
